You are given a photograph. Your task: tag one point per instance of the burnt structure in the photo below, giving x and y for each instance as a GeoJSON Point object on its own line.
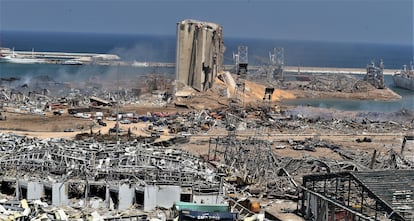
{"type": "Point", "coordinates": [375, 75]}
{"type": "Point", "coordinates": [125, 172]}
{"type": "Point", "coordinates": [241, 60]}
{"type": "Point", "coordinates": [200, 51]}
{"type": "Point", "coordinates": [358, 195]}
{"type": "Point", "coordinates": [277, 61]}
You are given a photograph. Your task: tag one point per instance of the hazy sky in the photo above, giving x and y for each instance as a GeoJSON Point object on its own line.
{"type": "Point", "coordinates": [378, 21]}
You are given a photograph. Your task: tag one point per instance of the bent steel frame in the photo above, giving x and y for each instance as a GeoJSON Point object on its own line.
{"type": "Point", "coordinates": [366, 195]}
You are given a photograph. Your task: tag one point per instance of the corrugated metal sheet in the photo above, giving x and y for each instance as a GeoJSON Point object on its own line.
{"type": "Point", "coordinates": [394, 187]}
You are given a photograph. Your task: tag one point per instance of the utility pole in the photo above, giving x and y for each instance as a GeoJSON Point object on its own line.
{"type": "Point", "coordinates": [117, 105]}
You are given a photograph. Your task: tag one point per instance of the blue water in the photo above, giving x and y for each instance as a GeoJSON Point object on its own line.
{"type": "Point", "coordinates": [407, 101]}
{"type": "Point", "coordinates": [162, 49]}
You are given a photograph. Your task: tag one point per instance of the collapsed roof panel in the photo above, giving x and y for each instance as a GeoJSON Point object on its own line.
{"type": "Point", "coordinates": [390, 191]}
{"type": "Point", "coordinates": [394, 187]}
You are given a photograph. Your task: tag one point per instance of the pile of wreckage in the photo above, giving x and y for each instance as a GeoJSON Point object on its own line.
{"type": "Point", "coordinates": [336, 82]}
{"type": "Point", "coordinates": [303, 119]}
{"type": "Point", "coordinates": [117, 176]}
{"type": "Point", "coordinates": [90, 176]}
{"type": "Point", "coordinates": [252, 168]}
{"type": "Point", "coordinates": [42, 93]}
{"type": "Point", "coordinates": [103, 178]}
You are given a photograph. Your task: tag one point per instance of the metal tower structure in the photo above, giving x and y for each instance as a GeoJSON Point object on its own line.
{"type": "Point", "coordinates": [277, 61]}
{"type": "Point", "coordinates": [375, 75]}
{"type": "Point", "coordinates": [241, 61]}
{"type": "Point", "coordinates": [267, 99]}
{"type": "Point", "coordinates": [238, 97]}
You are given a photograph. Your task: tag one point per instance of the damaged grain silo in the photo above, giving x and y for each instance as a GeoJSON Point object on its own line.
{"type": "Point", "coordinates": [200, 51]}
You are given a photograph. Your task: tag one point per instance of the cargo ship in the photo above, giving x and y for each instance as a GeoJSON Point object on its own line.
{"type": "Point", "coordinates": [404, 78]}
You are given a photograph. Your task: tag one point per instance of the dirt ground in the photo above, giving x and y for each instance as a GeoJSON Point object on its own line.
{"type": "Point", "coordinates": [49, 125]}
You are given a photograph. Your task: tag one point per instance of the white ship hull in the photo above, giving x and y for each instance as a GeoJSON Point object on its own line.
{"type": "Point", "coordinates": [10, 59]}
{"type": "Point", "coordinates": [404, 78]}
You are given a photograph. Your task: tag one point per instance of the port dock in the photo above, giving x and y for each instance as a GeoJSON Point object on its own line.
{"type": "Point", "coordinates": [317, 70]}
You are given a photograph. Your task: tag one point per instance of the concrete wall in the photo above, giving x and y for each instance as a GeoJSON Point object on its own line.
{"type": "Point", "coordinates": [160, 196]}
{"type": "Point", "coordinates": [150, 197]}
{"type": "Point", "coordinates": [60, 194]}
{"type": "Point", "coordinates": [35, 190]}
{"type": "Point", "coordinates": [200, 51]}
{"type": "Point", "coordinates": [126, 196]}
{"type": "Point", "coordinates": [168, 195]}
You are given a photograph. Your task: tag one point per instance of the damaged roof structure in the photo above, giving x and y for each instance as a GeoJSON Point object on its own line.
{"type": "Point", "coordinates": [200, 52]}
{"type": "Point", "coordinates": [68, 173]}
{"type": "Point", "coordinates": [368, 195]}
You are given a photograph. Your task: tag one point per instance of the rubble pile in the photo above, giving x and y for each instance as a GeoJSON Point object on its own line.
{"type": "Point", "coordinates": [43, 93]}
{"type": "Point", "coordinates": [301, 119]}
{"type": "Point", "coordinates": [326, 83]}
{"type": "Point", "coordinates": [38, 210]}
{"type": "Point", "coordinates": [245, 144]}
{"type": "Point", "coordinates": [87, 167]}
{"type": "Point", "coordinates": [253, 169]}
{"type": "Point", "coordinates": [307, 118]}
{"type": "Point", "coordinates": [64, 159]}
{"type": "Point", "coordinates": [341, 83]}
{"type": "Point", "coordinates": [251, 162]}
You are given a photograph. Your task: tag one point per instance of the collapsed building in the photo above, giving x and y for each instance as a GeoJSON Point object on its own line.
{"type": "Point", "coordinates": [200, 53]}
{"type": "Point", "coordinates": [68, 173]}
